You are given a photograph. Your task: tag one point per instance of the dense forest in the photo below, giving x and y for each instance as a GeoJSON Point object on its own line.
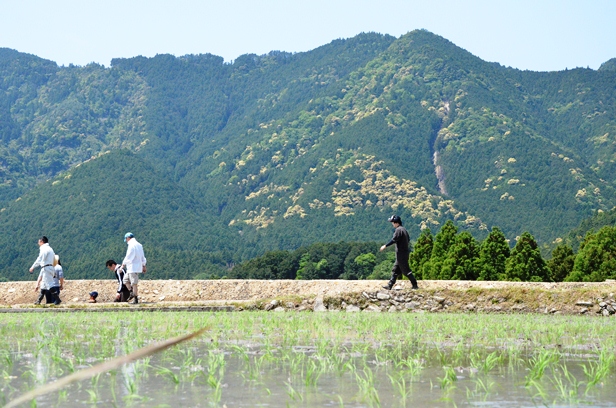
{"type": "Point", "coordinates": [212, 164]}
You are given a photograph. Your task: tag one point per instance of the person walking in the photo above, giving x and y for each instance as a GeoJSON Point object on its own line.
{"type": "Point", "coordinates": [58, 279]}
{"type": "Point", "coordinates": [122, 293]}
{"type": "Point", "coordinates": [45, 279]}
{"type": "Point", "coordinates": [401, 266]}
{"type": "Point", "coordinates": [134, 264]}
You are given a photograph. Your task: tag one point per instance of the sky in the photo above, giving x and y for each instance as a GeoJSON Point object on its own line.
{"type": "Point", "coordinates": [538, 35]}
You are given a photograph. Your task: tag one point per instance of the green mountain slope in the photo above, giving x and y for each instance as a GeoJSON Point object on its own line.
{"type": "Point", "coordinates": [283, 150]}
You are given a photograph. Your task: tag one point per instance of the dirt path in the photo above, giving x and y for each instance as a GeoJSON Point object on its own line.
{"type": "Point", "coordinates": [498, 297]}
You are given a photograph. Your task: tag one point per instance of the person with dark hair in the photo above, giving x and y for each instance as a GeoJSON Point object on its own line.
{"type": "Point", "coordinates": [401, 266]}
{"type": "Point", "coordinates": [134, 261]}
{"type": "Point", "coordinates": [93, 296]}
{"type": "Point", "coordinates": [58, 280]}
{"type": "Point", "coordinates": [123, 293]}
{"type": "Point", "coordinates": [45, 281]}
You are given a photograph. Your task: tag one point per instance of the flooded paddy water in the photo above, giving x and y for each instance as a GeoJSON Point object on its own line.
{"type": "Point", "coordinates": [259, 359]}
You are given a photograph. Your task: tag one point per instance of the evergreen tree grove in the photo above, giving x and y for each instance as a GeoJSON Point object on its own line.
{"type": "Point", "coordinates": [493, 255]}
{"type": "Point", "coordinates": [421, 253]}
{"type": "Point", "coordinates": [525, 263]}
{"type": "Point", "coordinates": [462, 259]}
{"type": "Point", "coordinates": [442, 242]}
{"type": "Point", "coordinates": [596, 259]}
{"type": "Point", "coordinates": [561, 263]}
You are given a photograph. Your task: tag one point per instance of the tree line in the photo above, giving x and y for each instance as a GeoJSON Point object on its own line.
{"type": "Point", "coordinates": [448, 255]}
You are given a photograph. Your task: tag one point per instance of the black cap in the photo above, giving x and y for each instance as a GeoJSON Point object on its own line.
{"type": "Point", "coordinates": [94, 294]}
{"type": "Point", "coordinates": [395, 218]}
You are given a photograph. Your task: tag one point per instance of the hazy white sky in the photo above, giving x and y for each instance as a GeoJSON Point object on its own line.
{"type": "Point", "coordinates": [541, 35]}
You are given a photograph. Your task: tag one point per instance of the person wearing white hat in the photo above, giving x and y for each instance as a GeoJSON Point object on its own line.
{"type": "Point", "coordinates": [58, 279]}
{"type": "Point", "coordinates": [134, 264]}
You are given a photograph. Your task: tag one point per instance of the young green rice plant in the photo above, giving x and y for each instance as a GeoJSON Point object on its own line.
{"type": "Point", "coordinates": [458, 354]}
{"type": "Point", "coordinates": [169, 374]}
{"type": "Point", "coordinates": [312, 374]}
{"type": "Point", "coordinates": [540, 391]}
{"type": "Point", "coordinates": [367, 387]}
{"type": "Point", "coordinates": [412, 365]}
{"type": "Point", "coordinates": [514, 361]}
{"type": "Point", "coordinates": [6, 357]}
{"type": "Point", "coordinates": [539, 364]}
{"type": "Point", "coordinates": [93, 396]}
{"type": "Point", "coordinates": [482, 389]}
{"type": "Point", "coordinates": [292, 393]}
{"type": "Point", "coordinates": [487, 363]}
{"type": "Point", "coordinates": [215, 373]}
{"type": "Point", "coordinates": [241, 352]}
{"type": "Point", "coordinates": [596, 371]}
{"type": "Point", "coordinates": [447, 383]}
{"type": "Point", "coordinates": [255, 368]}
{"type": "Point", "coordinates": [400, 385]}
{"type": "Point", "coordinates": [566, 384]}
{"type": "Point", "coordinates": [62, 398]}
{"type": "Point", "coordinates": [338, 361]}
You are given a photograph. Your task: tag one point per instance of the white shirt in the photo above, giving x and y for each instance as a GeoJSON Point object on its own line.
{"type": "Point", "coordinates": [46, 257]}
{"type": "Point", "coordinates": [134, 259]}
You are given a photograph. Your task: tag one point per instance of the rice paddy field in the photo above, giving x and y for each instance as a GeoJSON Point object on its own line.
{"type": "Point", "coordinates": [260, 359]}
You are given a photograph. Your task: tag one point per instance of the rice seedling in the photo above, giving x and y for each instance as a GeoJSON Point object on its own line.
{"type": "Point", "coordinates": [312, 374]}
{"type": "Point", "coordinates": [401, 387]}
{"type": "Point", "coordinates": [566, 384]}
{"type": "Point", "coordinates": [447, 382]}
{"type": "Point", "coordinates": [596, 371]}
{"type": "Point", "coordinates": [539, 364]}
{"type": "Point", "coordinates": [367, 388]}
{"type": "Point", "coordinates": [169, 374]}
{"type": "Point", "coordinates": [482, 389]}
{"type": "Point", "coordinates": [292, 393]}
{"type": "Point", "coordinates": [487, 363]}
{"type": "Point", "coordinates": [412, 365]}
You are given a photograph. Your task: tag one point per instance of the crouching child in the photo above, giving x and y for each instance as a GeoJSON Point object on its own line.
{"type": "Point", "coordinates": [123, 293]}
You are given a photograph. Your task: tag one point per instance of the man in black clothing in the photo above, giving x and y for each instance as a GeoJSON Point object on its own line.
{"type": "Point", "coordinates": [122, 293]}
{"type": "Point", "coordinates": [401, 266]}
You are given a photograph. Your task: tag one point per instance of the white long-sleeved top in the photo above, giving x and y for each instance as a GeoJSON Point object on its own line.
{"type": "Point", "coordinates": [119, 271]}
{"type": "Point", "coordinates": [46, 256]}
{"type": "Point", "coordinates": [134, 259]}
{"type": "Point", "coordinates": [45, 262]}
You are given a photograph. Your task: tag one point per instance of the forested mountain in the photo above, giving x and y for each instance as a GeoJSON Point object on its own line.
{"type": "Point", "coordinates": [282, 150]}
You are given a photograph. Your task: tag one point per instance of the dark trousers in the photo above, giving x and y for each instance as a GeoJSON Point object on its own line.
{"type": "Point", "coordinates": [50, 295]}
{"type": "Point", "coordinates": [124, 294]}
{"type": "Point", "coordinates": [400, 269]}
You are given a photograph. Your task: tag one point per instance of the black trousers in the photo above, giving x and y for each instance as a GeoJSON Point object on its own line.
{"type": "Point", "coordinates": [400, 269]}
{"type": "Point", "coordinates": [50, 295]}
{"type": "Point", "coordinates": [124, 294]}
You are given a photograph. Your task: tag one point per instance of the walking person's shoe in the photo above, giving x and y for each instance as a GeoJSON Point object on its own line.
{"type": "Point", "coordinates": [135, 300]}
{"type": "Point", "coordinates": [389, 285]}
{"type": "Point", "coordinates": [415, 287]}
{"type": "Point", "coordinates": [131, 296]}
{"type": "Point", "coordinates": [40, 298]}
